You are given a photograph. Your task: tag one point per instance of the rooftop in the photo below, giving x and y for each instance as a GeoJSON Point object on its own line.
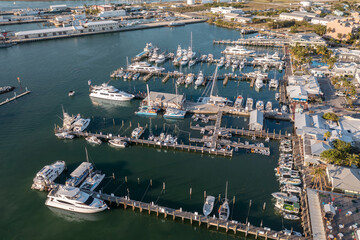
{"type": "Point", "coordinates": [344, 178]}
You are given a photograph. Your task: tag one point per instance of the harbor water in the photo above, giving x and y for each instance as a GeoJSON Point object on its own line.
{"type": "Point", "coordinates": [51, 68]}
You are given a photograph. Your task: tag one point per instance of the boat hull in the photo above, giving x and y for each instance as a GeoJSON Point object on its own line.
{"type": "Point", "coordinates": [50, 203]}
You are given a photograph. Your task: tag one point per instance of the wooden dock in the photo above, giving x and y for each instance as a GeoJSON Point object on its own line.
{"type": "Point", "coordinates": [192, 218]}
{"type": "Point", "coordinates": [144, 142]}
{"type": "Point", "coordinates": [15, 97]}
{"type": "Point", "coordinates": [255, 42]}
{"type": "Point", "coordinates": [166, 78]}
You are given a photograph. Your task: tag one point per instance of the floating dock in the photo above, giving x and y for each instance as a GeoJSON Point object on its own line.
{"type": "Point", "coordinates": [15, 97]}
{"type": "Point", "coordinates": [255, 42]}
{"type": "Point", "coordinates": [194, 218]}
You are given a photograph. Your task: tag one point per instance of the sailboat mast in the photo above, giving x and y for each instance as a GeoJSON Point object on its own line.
{"type": "Point", "coordinates": [191, 40]}
{"type": "Point", "coordinates": [226, 190]}
{"type": "Point", "coordinates": [213, 84]}
{"type": "Point", "coordinates": [87, 159]}
{"type": "Point", "coordinates": [148, 95]}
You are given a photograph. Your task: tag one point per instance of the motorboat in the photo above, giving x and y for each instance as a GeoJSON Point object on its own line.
{"type": "Point", "coordinates": [237, 50]}
{"type": "Point", "coordinates": [174, 113]}
{"type": "Point", "coordinates": [259, 83]}
{"type": "Point", "coordinates": [239, 102]}
{"type": "Point", "coordinates": [291, 217]}
{"type": "Point", "coordinates": [64, 135]}
{"type": "Point", "coordinates": [268, 106]}
{"type": "Point", "coordinates": [200, 79]}
{"type": "Point", "coordinates": [277, 96]}
{"type": "Point", "coordinates": [154, 56]}
{"type": "Point", "coordinates": [192, 62]}
{"type": "Point", "coordinates": [137, 132]}
{"type": "Point", "coordinates": [106, 91]}
{"type": "Point", "coordinates": [71, 93]}
{"type": "Point", "coordinates": [93, 140]}
{"type": "Point", "coordinates": [92, 181]}
{"type": "Point", "coordinates": [79, 174]}
{"type": "Point", "coordinates": [284, 109]}
{"type": "Point", "coordinates": [147, 111]}
{"type": "Point", "coordinates": [274, 83]}
{"type": "Point", "coordinates": [73, 199]}
{"type": "Point", "coordinates": [136, 76]}
{"type": "Point", "coordinates": [285, 196]}
{"type": "Point", "coordinates": [275, 56]}
{"type": "Point", "coordinates": [288, 207]}
{"type": "Point", "coordinates": [46, 176]}
{"type": "Point", "coordinates": [208, 205]}
{"type": "Point", "coordinates": [118, 143]}
{"type": "Point", "coordinates": [180, 80]}
{"type": "Point", "coordinates": [292, 181]}
{"type": "Point", "coordinates": [184, 60]}
{"type": "Point", "coordinates": [291, 188]}
{"type": "Point", "coordinates": [260, 105]}
{"type": "Point", "coordinates": [144, 66]}
{"type": "Point", "coordinates": [81, 124]}
{"type": "Point", "coordinates": [160, 59]}
{"type": "Point", "coordinates": [203, 58]}
{"type": "Point", "coordinates": [189, 79]}
{"type": "Point", "coordinates": [221, 63]}
{"type": "Point", "coordinates": [249, 104]}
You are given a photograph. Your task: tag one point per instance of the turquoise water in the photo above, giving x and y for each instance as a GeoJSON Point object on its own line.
{"type": "Point", "coordinates": [50, 69]}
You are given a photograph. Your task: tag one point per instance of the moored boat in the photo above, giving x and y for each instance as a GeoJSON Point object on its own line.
{"type": "Point", "coordinates": [118, 143]}
{"type": "Point", "coordinates": [93, 140]}
{"type": "Point", "coordinates": [46, 176]}
{"type": "Point", "coordinates": [92, 181]}
{"type": "Point", "coordinates": [79, 174]}
{"type": "Point", "coordinates": [208, 205]}
{"type": "Point", "coordinates": [137, 132]}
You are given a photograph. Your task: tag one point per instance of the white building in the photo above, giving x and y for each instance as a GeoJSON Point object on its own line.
{"type": "Point", "coordinates": [320, 20]}
{"type": "Point", "coordinates": [344, 179]}
{"type": "Point", "coordinates": [306, 3]}
{"type": "Point", "coordinates": [110, 14]}
{"type": "Point", "coordinates": [49, 32]}
{"type": "Point", "coordinates": [309, 39]}
{"type": "Point", "coordinates": [256, 122]}
{"type": "Point", "coordinates": [190, 2]}
{"type": "Point", "coordinates": [57, 8]}
{"type": "Point", "coordinates": [344, 69]}
{"type": "Point", "coordinates": [22, 18]}
{"type": "Point", "coordinates": [308, 82]}
{"type": "Point", "coordinates": [226, 10]}
{"type": "Point", "coordinates": [237, 18]}
{"type": "Point", "coordinates": [348, 55]}
{"type": "Point", "coordinates": [102, 26]}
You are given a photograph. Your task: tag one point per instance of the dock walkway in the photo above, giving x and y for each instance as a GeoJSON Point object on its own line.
{"type": "Point", "coordinates": [193, 218]}
{"type": "Point", "coordinates": [15, 97]}
{"type": "Point", "coordinates": [254, 42]}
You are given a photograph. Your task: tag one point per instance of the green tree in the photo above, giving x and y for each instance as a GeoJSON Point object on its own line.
{"type": "Point", "coordinates": [320, 29]}
{"type": "Point", "coordinates": [318, 177]}
{"type": "Point", "coordinates": [327, 135]}
{"type": "Point", "coordinates": [331, 116]}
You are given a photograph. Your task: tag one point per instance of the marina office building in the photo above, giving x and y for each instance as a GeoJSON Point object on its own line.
{"type": "Point", "coordinates": [164, 100]}
{"type": "Point", "coordinates": [256, 120]}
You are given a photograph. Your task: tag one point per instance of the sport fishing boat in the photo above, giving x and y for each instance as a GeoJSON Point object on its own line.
{"type": "Point", "coordinates": [259, 83]}
{"type": "Point", "coordinates": [93, 140]}
{"type": "Point", "coordinates": [189, 79]}
{"type": "Point", "coordinates": [81, 124]}
{"type": "Point", "coordinates": [291, 217]}
{"type": "Point", "coordinates": [239, 102]}
{"type": "Point", "coordinates": [46, 176]}
{"type": "Point", "coordinates": [208, 205]}
{"type": "Point", "coordinates": [291, 188]}
{"type": "Point", "coordinates": [118, 143]}
{"type": "Point", "coordinates": [224, 210]}
{"type": "Point", "coordinates": [137, 132]}
{"type": "Point", "coordinates": [184, 60]}
{"type": "Point", "coordinates": [79, 174]}
{"type": "Point", "coordinates": [268, 106]}
{"type": "Point", "coordinates": [249, 104]}
{"type": "Point", "coordinates": [92, 181]}
{"type": "Point", "coordinates": [260, 105]}
{"type": "Point", "coordinates": [160, 59]}
{"type": "Point", "coordinates": [73, 199]}
{"type": "Point", "coordinates": [289, 207]}
{"type": "Point", "coordinates": [200, 79]}
{"type": "Point", "coordinates": [237, 50]}
{"type": "Point", "coordinates": [292, 181]}
{"type": "Point", "coordinates": [174, 113]}
{"type": "Point", "coordinates": [274, 83]}
{"type": "Point", "coordinates": [64, 135]}
{"type": "Point", "coordinates": [105, 91]}
{"type": "Point", "coordinates": [144, 66]}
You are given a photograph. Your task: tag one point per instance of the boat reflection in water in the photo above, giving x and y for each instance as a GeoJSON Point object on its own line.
{"type": "Point", "coordinates": [108, 104]}
{"type": "Point", "coordinates": [74, 216]}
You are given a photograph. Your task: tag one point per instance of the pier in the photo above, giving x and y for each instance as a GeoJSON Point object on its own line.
{"type": "Point", "coordinates": [255, 42]}
{"type": "Point", "coordinates": [15, 97]}
{"type": "Point", "coordinates": [193, 218]}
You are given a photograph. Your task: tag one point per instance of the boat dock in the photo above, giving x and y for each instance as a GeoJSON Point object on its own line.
{"type": "Point", "coordinates": [254, 42]}
{"type": "Point", "coordinates": [23, 22]}
{"type": "Point", "coordinates": [144, 142]}
{"type": "Point", "coordinates": [193, 218]}
{"type": "Point", "coordinates": [15, 97]}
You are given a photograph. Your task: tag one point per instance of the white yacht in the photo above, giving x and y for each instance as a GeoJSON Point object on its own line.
{"type": "Point", "coordinates": [93, 140]}
{"type": "Point", "coordinates": [118, 143]}
{"type": "Point", "coordinates": [68, 121]}
{"type": "Point", "coordinates": [189, 79]}
{"type": "Point", "coordinates": [274, 83]}
{"type": "Point", "coordinates": [144, 66]}
{"type": "Point", "coordinates": [259, 83]}
{"type": "Point", "coordinates": [239, 102]}
{"type": "Point", "coordinates": [137, 132]}
{"type": "Point", "coordinates": [208, 205]}
{"type": "Point", "coordinates": [64, 135]}
{"type": "Point", "coordinates": [200, 79]}
{"type": "Point", "coordinates": [92, 181]}
{"type": "Point", "coordinates": [73, 199]}
{"type": "Point", "coordinates": [105, 91]}
{"type": "Point", "coordinates": [184, 60]}
{"type": "Point", "coordinates": [260, 105]}
{"type": "Point", "coordinates": [268, 106]}
{"type": "Point", "coordinates": [79, 174]}
{"type": "Point", "coordinates": [237, 50]}
{"type": "Point", "coordinates": [81, 124]}
{"type": "Point", "coordinates": [160, 59]}
{"type": "Point", "coordinates": [46, 176]}
{"type": "Point", "coordinates": [249, 104]}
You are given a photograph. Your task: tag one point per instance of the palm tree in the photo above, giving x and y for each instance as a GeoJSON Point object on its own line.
{"type": "Point", "coordinates": [318, 177]}
{"type": "Point", "coordinates": [327, 135]}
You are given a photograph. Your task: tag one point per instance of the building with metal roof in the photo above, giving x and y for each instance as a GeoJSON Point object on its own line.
{"type": "Point", "coordinates": [256, 120]}
{"type": "Point", "coordinates": [164, 100]}
{"type": "Point", "coordinates": [344, 179]}
{"type": "Point", "coordinates": [49, 32]}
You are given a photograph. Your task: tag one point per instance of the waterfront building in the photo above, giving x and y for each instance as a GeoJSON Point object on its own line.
{"type": "Point", "coordinates": [256, 122]}
{"type": "Point", "coordinates": [309, 39]}
{"type": "Point", "coordinates": [165, 100]}
{"type": "Point", "coordinates": [226, 10]}
{"type": "Point", "coordinates": [309, 84]}
{"type": "Point", "coordinates": [322, 71]}
{"type": "Point", "coordinates": [316, 217]}
{"type": "Point", "coordinates": [22, 18]}
{"type": "Point", "coordinates": [237, 18]}
{"type": "Point", "coordinates": [102, 26]}
{"type": "Point", "coordinates": [347, 55]}
{"type": "Point", "coordinates": [114, 13]}
{"type": "Point", "coordinates": [58, 8]}
{"type": "Point", "coordinates": [320, 21]}
{"type": "Point", "coordinates": [343, 28]}
{"type": "Point", "coordinates": [344, 179]}
{"type": "Point", "coordinates": [103, 7]}
{"type": "Point", "coordinates": [49, 32]}
{"type": "Point", "coordinates": [297, 93]}
{"type": "Point", "coordinates": [297, 16]}
{"type": "Point", "coordinates": [344, 69]}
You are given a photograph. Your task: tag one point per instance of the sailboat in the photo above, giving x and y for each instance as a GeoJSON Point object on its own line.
{"type": "Point", "coordinates": [224, 210]}
{"type": "Point", "coordinates": [147, 110]}
{"type": "Point", "coordinates": [208, 205]}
